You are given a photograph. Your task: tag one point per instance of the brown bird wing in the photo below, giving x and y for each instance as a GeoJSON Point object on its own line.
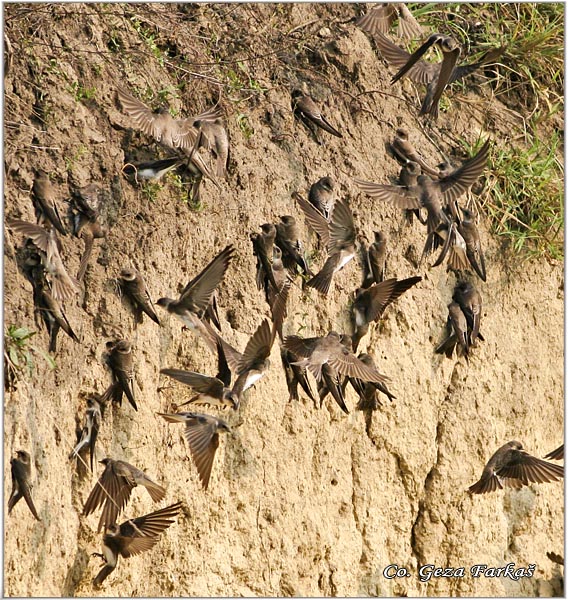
{"type": "Point", "coordinates": [151, 123]}
{"type": "Point", "coordinates": [384, 293]}
{"type": "Point", "coordinates": [408, 26]}
{"type": "Point", "coordinates": [378, 19]}
{"type": "Point", "coordinates": [258, 347]}
{"type": "Point", "coordinates": [341, 227]}
{"type": "Point", "coordinates": [419, 71]}
{"type": "Point", "coordinates": [460, 180]}
{"type": "Point", "coordinates": [400, 196]}
{"type": "Point", "coordinates": [317, 222]}
{"type": "Point", "coordinates": [140, 534]}
{"type": "Point", "coordinates": [197, 293]}
{"type": "Point", "coordinates": [200, 383]}
{"type": "Point", "coordinates": [446, 71]}
{"type": "Point", "coordinates": [530, 469]}
{"type": "Point", "coordinates": [112, 491]}
{"type": "Point", "coordinates": [203, 441]}
{"type": "Point", "coordinates": [278, 308]}
{"type": "Point", "coordinates": [38, 235]}
{"type": "Point", "coordinates": [557, 454]}
{"type": "Point", "coordinates": [302, 347]}
{"type": "Point", "coordinates": [348, 364]}
{"type": "Point", "coordinates": [88, 240]}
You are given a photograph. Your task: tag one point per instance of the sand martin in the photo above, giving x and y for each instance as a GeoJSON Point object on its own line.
{"type": "Point", "coordinates": [307, 110]}
{"type": "Point", "coordinates": [43, 196]}
{"type": "Point", "coordinates": [119, 359]}
{"type": "Point", "coordinates": [370, 303]}
{"type": "Point", "coordinates": [338, 235]}
{"type": "Point", "coordinates": [511, 466]}
{"type": "Point", "coordinates": [134, 286]}
{"type": "Point", "coordinates": [322, 197]}
{"type": "Point", "coordinates": [133, 537]}
{"type": "Point", "coordinates": [202, 436]}
{"type": "Point", "coordinates": [196, 296]}
{"type": "Point", "coordinates": [63, 286]}
{"type": "Point", "coordinates": [295, 375]}
{"type": "Point", "coordinates": [21, 482]}
{"type": "Point", "coordinates": [113, 490]}
{"type": "Point", "coordinates": [90, 430]}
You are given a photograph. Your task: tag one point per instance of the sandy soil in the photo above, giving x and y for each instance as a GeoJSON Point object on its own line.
{"type": "Point", "coordinates": [303, 501]}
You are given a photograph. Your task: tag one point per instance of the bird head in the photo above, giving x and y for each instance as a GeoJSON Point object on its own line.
{"type": "Point", "coordinates": [23, 456]}
{"type": "Point", "coordinates": [165, 302]}
{"type": "Point", "coordinates": [128, 274]}
{"type": "Point", "coordinates": [326, 183]}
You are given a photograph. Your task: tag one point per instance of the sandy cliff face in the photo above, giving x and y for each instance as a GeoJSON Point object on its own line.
{"type": "Point", "coordinates": [302, 501]}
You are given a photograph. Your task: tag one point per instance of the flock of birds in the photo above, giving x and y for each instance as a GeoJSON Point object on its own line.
{"type": "Point", "coordinates": [281, 256]}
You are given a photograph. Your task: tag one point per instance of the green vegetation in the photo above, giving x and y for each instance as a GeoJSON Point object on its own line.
{"type": "Point", "coordinates": [525, 196]}
{"type": "Point", "coordinates": [525, 192]}
{"type": "Point", "coordinates": [19, 354]}
{"type": "Point", "coordinates": [81, 93]}
{"type": "Point", "coordinates": [244, 125]}
{"type": "Point", "coordinates": [150, 39]}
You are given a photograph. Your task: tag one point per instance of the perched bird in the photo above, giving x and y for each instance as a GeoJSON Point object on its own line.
{"type": "Point", "coordinates": [90, 430]}
{"type": "Point", "coordinates": [152, 170]}
{"type": "Point", "coordinates": [213, 391]}
{"type": "Point", "coordinates": [431, 194]}
{"type": "Point", "coordinates": [404, 152]}
{"type": "Point", "coordinates": [317, 351]}
{"type": "Point", "coordinates": [469, 300]}
{"type": "Point", "coordinates": [307, 110]}
{"type": "Point", "coordinates": [453, 245]}
{"type": "Point", "coordinates": [277, 298]}
{"type": "Point", "coordinates": [196, 296]}
{"type": "Point", "coordinates": [119, 360]}
{"type": "Point", "coordinates": [375, 260]}
{"type": "Point", "coordinates": [215, 139]}
{"type": "Point", "coordinates": [370, 303]}
{"type": "Point", "coordinates": [89, 229]}
{"type": "Point", "coordinates": [367, 391]}
{"type": "Point", "coordinates": [114, 487]}
{"type": "Point", "coordinates": [263, 246]}
{"type": "Point", "coordinates": [457, 333]}
{"type": "Point", "coordinates": [252, 364]}
{"type": "Point", "coordinates": [511, 466]}
{"type": "Point", "coordinates": [63, 286]}
{"type": "Point", "coordinates": [338, 235]}
{"type": "Point", "coordinates": [408, 177]}
{"type": "Point", "coordinates": [288, 240]}
{"type": "Point", "coordinates": [435, 76]}
{"type": "Point", "coordinates": [295, 375]}
{"type": "Point", "coordinates": [470, 234]}
{"type": "Point", "coordinates": [202, 436]}
{"type": "Point", "coordinates": [322, 197]}
{"type": "Point", "coordinates": [557, 454]}
{"type": "Point", "coordinates": [134, 286]}
{"type": "Point", "coordinates": [50, 310]}
{"type": "Point", "coordinates": [382, 15]}
{"type": "Point", "coordinates": [133, 537]}
{"type": "Point", "coordinates": [43, 197]}
{"type": "Point", "coordinates": [172, 133]}
{"type": "Point", "coordinates": [21, 482]}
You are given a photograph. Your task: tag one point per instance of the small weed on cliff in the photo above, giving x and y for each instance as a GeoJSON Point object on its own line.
{"type": "Point", "coordinates": [18, 354]}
